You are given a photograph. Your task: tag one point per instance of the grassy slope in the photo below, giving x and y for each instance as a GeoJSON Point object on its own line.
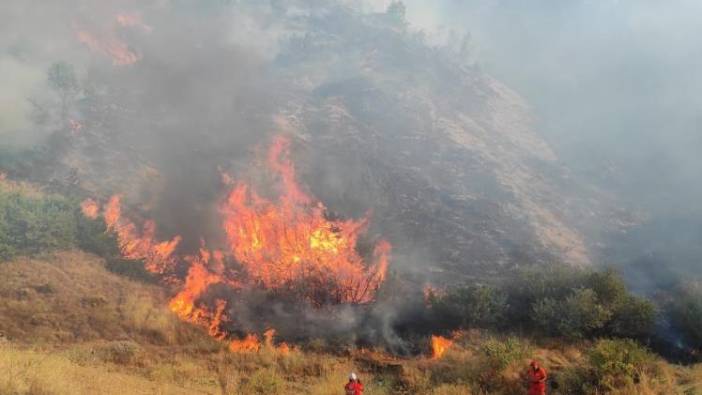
{"type": "Point", "coordinates": [72, 327]}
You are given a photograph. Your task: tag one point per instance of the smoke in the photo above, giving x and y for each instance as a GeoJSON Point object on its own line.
{"type": "Point", "coordinates": [615, 88]}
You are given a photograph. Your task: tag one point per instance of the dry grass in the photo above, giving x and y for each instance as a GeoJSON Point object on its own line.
{"type": "Point", "coordinates": [33, 373]}
{"type": "Point", "coordinates": [69, 297]}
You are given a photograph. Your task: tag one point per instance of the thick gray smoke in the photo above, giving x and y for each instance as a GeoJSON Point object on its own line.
{"type": "Point", "coordinates": [615, 87]}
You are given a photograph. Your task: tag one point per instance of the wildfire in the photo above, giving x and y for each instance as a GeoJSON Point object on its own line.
{"type": "Point", "coordinates": [198, 281]}
{"type": "Point", "coordinates": [288, 243]}
{"type": "Point", "coordinates": [111, 46]}
{"type": "Point", "coordinates": [251, 343]}
{"type": "Point", "coordinates": [439, 346]}
{"type": "Point", "coordinates": [132, 19]}
{"type": "Point", "coordinates": [158, 256]}
{"type": "Point", "coordinates": [90, 208]}
{"type": "Point", "coordinates": [291, 241]}
{"type": "Point", "coordinates": [108, 41]}
{"type": "Point", "coordinates": [248, 344]}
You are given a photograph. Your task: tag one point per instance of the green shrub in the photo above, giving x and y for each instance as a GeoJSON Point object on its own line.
{"type": "Point", "coordinates": [577, 316]}
{"type": "Point", "coordinates": [31, 223]}
{"type": "Point", "coordinates": [472, 306]}
{"type": "Point", "coordinates": [533, 284]}
{"type": "Point", "coordinates": [686, 312]}
{"type": "Point", "coordinates": [578, 304]}
{"type": "Point", "coordinates": [608, 286]}
{"type": "Point", "coordinates": [499, 354]}
{"type": "Point", "coordinates": [264, 382]}
{"type": "Point", "coordinates": [618, 361]}
{"type": "Point", "coordinates": [634, 318]}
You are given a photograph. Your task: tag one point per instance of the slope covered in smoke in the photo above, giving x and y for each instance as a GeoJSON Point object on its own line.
{"type": "Point", "coordinates": [169, 95]}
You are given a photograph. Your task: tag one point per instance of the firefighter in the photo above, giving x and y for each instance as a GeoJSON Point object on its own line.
{"type": "Point", "coordinates": [537, 379]}
{"type": "Point", "coordinates": [354, 386]}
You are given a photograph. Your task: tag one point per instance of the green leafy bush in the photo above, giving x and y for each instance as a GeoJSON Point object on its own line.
{"type": "Point", "coordinates": [686, 312]}
{"type": "Point", "coordinates": [531, 285]}
{"type": "Point", "coordinates": [576, 317]}
{"type": "Point", "coordinates": [32, 222]}
{"type": "Point", "coordinates": [472, 306]}
{"type": "Point", "coordinates": [618, 361]}
{"type": "Point", "coordinates": [634, 318]}
{"type": "Point", "coordinates": [577, 304]}
{"type": "Point", "coordinates": [501, 353]}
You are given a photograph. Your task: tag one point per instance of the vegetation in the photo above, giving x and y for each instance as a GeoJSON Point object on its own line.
{"type": "Point", "coordinates": [686, 312]}
{"type": "Point", "coordinates": [32, 222]}
{"type": "Point", "coordinates": [558, 302]}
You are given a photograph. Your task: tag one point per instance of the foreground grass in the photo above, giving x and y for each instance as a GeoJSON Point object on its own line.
{"type": "Point", "coordinates": [477, 364]}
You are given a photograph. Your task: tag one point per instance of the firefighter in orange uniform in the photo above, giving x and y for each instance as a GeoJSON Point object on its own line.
{"type": "Point", "coordinates": [354, 386]}
{"type": "Point", "coordinates": [537, 379]}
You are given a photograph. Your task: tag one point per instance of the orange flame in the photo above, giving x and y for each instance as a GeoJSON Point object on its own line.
{"type": "Point", "coordinates": [90, 208]}
{"type": "Point", "coordinates": [281, 244]}
{"type": "Point", "coordinates": [439, 346]}
{"type": "Point", "coordinates": [248, 344]}
{"type": "Point", "coordinates": [291, 241]}
{"type": "Point", "coordinates": [108, 45]}
{"type": "Point", "coordinates": [158, 257]}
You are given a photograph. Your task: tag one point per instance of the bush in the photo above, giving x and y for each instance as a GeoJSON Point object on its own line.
{"type": "Point", "coordinates": [577, 304]}
{"type": "Point", "coordinates": [264, 382]}
{"type": "Point", "coordinates": [576, 317]}
{"type": "Point", "coordinates": [608, 286]}
{"type": "Point", "coordinates": [499, 354]}
{"type": "Point", "coordinates": [618, 362]}
{"type": "Point", "coordinates": [534, 284]}
{"type": "Point", "coordinates": [32, 222]}
{"type": "Point", "coordinates": [633, 318]}
{"type": "Point", "coordinates": [472, 306]}
{"type": "Point", "coordinates": [686, 312]}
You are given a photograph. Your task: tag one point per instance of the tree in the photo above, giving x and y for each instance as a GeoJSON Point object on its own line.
{"type": "Point", "coordinates": [397, 11]}
{"type": "Point", "coordinates": [62, 79]}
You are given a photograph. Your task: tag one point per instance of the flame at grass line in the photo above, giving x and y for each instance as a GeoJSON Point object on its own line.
{"type": "Point", "coordinates": [287, 244]}
{"type": "Point", "coordinates": [439, 346]}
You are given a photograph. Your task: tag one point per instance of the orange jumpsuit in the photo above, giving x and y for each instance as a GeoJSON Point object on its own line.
{"type": "Point", "coordinates": [537, 381]}
{"type": "Point", "coordinates": [354, 388]}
